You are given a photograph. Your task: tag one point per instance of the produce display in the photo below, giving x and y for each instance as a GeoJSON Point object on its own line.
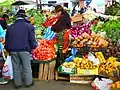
{"type": "Point", "coordinates": [84, 63]}
{"type": "Point", "coordinates": [50, 21]}
{"type": "Point", "coordinates": [36, 17]}
{"type": "Point", "coordinates": [81, 63]}
{"type": "Point", "coordinates": [92, 40]}
{"type": "Point", "coordinates": [116, 85]}
{"type": "Point", "coordinates": [100, 56]}
{"type": "Point", "coordinates": [78, 30]}
{"type": "Point", "coordinates": [113, 9]}
{"type": "Point", "coordinates": [109, 67]}
{"type": "Point", "coordinates": [110, 27]}
{"type": "Point", "coordinates": [45, 50]}
{"type": "Point", "coordinates": [82, 66]}
{"type": "Point", "coordinates": [112, 50]}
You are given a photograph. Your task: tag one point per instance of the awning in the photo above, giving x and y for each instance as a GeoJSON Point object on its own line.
{"type": "Point", "coordinates": [24, 3]}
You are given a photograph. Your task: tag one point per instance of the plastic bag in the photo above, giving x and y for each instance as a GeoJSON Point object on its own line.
{"type": "Point", "coordinates": [49, 34]}
{"type": "Point", "coordinates": [7, 70]}
{"type": "Point", "coordinates": [91, 57]}
{"type": "Point", "coordinates": [73, 52]}
{"type": "Point", "coordinates": [102, 84]}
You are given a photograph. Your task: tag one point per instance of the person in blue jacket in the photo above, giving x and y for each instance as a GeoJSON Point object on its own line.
{"type": "Point", "coordinates": [2, 37]}
{"type": "Point", "coordinates": [20, 41]}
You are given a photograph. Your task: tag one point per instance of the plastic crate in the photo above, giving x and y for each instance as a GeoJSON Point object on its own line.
{"type": "Point", "coordinates": [87, 71]}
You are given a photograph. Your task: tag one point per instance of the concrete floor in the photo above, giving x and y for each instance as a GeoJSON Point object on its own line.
{"type": "Point", "coordinates": [49, 85]}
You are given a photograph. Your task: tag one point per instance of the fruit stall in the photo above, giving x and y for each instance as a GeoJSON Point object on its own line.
{"type": "Point", "coordinates": [91, 48]}
{"type": "Point", "coordinates": [94, 51]}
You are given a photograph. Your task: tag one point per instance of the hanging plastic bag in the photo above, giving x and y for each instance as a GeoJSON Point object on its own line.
{"type": "Point", "coordinates": [49, 34]}
{"type": "Point", "coordinates": [73, 52]}
{"type": "Point", "coordinates": [7, 70]}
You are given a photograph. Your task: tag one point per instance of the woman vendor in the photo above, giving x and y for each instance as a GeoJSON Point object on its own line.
{"type": "Point", "coordinates": [61, 27]}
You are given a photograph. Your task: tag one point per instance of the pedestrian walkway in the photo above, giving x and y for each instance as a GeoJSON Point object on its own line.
{"type": "Point", "coordinates": [50, 85]}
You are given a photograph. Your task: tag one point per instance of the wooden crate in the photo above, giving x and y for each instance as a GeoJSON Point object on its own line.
{"type": "Point", "coordinates": [46, 70]}
{"type": "Point", "coordinates": [81, 79]}
{"type": "Point", "coordinates": [61, 76]}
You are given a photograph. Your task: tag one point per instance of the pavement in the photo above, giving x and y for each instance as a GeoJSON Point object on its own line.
{"type": "Point", "coordinates": [49, 85]}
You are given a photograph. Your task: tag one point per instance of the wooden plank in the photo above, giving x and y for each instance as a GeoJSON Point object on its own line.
{"type": "Point", "coordinates": [56, 75]}
{"type": "Point", "coordinates": [40, 75]}
{"type": "Point", "coordinates": [45, 72]}
{"type": "Point", "coordinates": [53, 70]}
{"type": "Point", "coordinates": [81, 79]}
{"type": "Point", "coordinates": [80, 82]}
{"type": "Point", "coordinates": [49, 73]}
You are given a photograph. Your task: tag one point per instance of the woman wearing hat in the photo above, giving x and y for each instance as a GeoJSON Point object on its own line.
{"type": "Point", "coordinates": [20, 40]}
{"type": "Point", "coordinates": [62, 26]}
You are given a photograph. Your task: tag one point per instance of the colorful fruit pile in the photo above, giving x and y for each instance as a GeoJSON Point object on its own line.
{"type": "Point", "coordinates": [50, 21]}
{"type": "Point", "coordinates": [116, 85]}
{"type": "Point", "coordinates": [37, 17]}
{"type": "Point", "coordinates": [112, 50]}
{"type": "Point", "coordinates": [109, 66]}
{"type": "Point", "coordinates": [111, 27]}
{"type": "Point", "coordinates": [100, 56]}
{"type": "Point", "coordinates": [84, 63]}
{"type": "Point", "coordinates": [45, 50]}
{"type": "Point", "coordinates": [78, 30]}
{"type": "Point", "coordinates": [93, 40]}
{"type": "Point", "coordinates": [81, 63]}
{"type": "Point", "coordinates": [32, 20]}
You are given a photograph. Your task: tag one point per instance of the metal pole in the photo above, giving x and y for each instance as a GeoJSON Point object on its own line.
{"type": "Point", "coordinates": [40, 4]}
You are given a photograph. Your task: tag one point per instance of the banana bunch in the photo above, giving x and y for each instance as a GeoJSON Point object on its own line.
{"type": "Point", "coordinates": [100, 56]}
{"type": "Point", "coordinates": [83, 63]}
{"type": "Point", "coordinates": [109, 66]}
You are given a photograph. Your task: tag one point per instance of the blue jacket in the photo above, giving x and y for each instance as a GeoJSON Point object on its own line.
{"type": "Point", "coordinates": [2, 35]}
{"type": "Point", "coordinates": [20, 36]}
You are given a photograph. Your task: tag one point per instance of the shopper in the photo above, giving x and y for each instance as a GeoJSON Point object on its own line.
{"type": "Point", "coordinates": [2, 37]}
{"type": "Point", "coordinates": [20, 40]}
{"type": "Point", "coordinates": [3, 20]}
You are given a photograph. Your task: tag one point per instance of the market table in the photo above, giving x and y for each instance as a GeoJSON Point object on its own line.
{"type": "Point", "coordinates": [46, 69]}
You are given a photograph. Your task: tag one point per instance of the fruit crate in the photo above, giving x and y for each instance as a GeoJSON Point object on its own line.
{"type": "Point", "coordinates": [46, 69]}
{"type": "Point", "coordinates": [81, 79]}
{"type": "Point", "coordinates": [87, 71]}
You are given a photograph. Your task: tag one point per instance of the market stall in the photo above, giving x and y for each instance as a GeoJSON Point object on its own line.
{"type": "Point", "coordinates": [91, 48]}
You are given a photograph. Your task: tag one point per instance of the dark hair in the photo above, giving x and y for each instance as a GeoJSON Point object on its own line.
{"type": "Point", "coordinates": [59, 8]}
{"type": "Point", "coordinates": [5, 16]}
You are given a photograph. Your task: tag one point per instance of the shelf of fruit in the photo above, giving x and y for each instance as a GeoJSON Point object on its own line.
{"type": "Point", "coordinates": [45, 50]}
{"type": "Point", "coordinates": [110, 27]}
{"type": "Point", "coordinates": [93, 40]}
{"type": "Point", "coordinates": [90, 66]}
{"type": "Point", "coordinates": [115, 85]}
{"type": "Point", "coordinates": [77, 30]}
